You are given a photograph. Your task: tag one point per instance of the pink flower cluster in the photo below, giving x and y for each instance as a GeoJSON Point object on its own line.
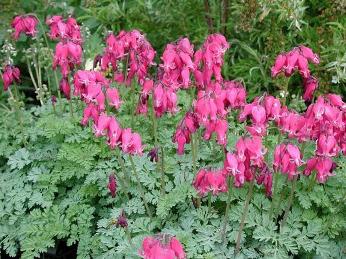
{"type": "Point", "coordinates": [214, 181]}
{"type": "Point", "coordinates": [287, 159]}
{"type": "Point", "coordinates": [68, 52]}
{"type": "Point", "coordinates": [93, 88]}
{"type": "Point", "coordinates": [260, 112]}
{"type": "Point", "coordinates": [247, 159]}
{"type": "Point", "coordinates": [25, 24]}
{"type": "Point", "coordinates": [9, 75]}
{"type": "Point", "coordinates": [64, 30]}
{"type": "Point", "coordinates": [131, 48]}
{"type": "Point", "coordinates": [210, 111]}
{"type": "Point", "coordinates": [177, 64]}
{"type": "Point", "coordinates": [162, 246]}
{"type": "Point", "coordinates": [326, 123]}
{"type": "Point", "coordinates": [298, 59]}
{"type": "Point", "coordinates": [209, 59]}
{"type": "Point", "coordinates": [174, 74]}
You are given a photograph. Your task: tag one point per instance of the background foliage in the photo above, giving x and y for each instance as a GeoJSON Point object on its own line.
{"type": "Point", "coordinates": [53, 172]}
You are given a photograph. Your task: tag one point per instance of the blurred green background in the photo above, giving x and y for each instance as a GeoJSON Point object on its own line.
{"type": "Point", "coordinates": [258, 30]}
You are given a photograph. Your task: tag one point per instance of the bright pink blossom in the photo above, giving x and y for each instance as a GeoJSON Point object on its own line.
{"type": "Point", "coordinates": [67, 56]}
{"type": "Point", "coordinates": [91, 111]}
{"type": "Point", "coordinates": [9, 75]}
{"type": "Point", "coordinates": [324, 167]}
{"type": "Point", "coordinates": [213, 181]}
{"type": "Point", "coordinates": [25, 24]}
{"type": "Point", "coordinates": [296, 59]}
{"type": "Point", "coordinates": [287, 159]}
{"type": "Point", "coordinates": [131, 143]}
{"type": "Point", "coordinates": [67, 30]}
{"type": "Point", "coordinates": [162, 246]}
{"type": "Point", "coordinates": [310, 86]}
{"type": "Point", "coordinates": [209, 59]}
{"type": "Point", "coordinates": [113, 97]}
{"type": "Point", "coordinates": [65, 88]}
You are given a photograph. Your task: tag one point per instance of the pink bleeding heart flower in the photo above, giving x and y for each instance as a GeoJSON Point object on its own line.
{"type": "Point", "coordinates": [113, 97]}
{"type": "Point", "coordinates": [327, 146]}
{"type": "Point", "coordinates": [308, 53]}
{"type": "Point", "coordinates": [324, 167]}
{"type": "Point", "coordinates": [65, 88]}
{"type": "Point", "coordinates": [102, 125]}
{"type": "Point", "coordinates": [287, 159]}
{"type": "Point", "coordinates": [131, 143]}
{"type": "Point", "coordinates": [91, 111]}
{"type": "Point", "coordinates": [279, 64]}
{"type": "Point", "coordinates": [310, 86]}
{"type": "Point", "coordinates": [186, 127]}
{"type": "Point", "coordinates": [162, 246]}
{"type": "Point", "coordinates": [112, 185]}
{"type": "Point", "coordinates": [266, 178]}
{"type": "Point", "coordinates": [272, 107]}
{"type": "Point", "coordinates": [24, 24]}
{"type": "Point", "coordinates": [10, 74]}
{"type": "Point", "coordinates": [114, 133]}
{"type": "Point", "coordinates": [213, 181]}
{"type": "Point", "coordinates": [235, 94]}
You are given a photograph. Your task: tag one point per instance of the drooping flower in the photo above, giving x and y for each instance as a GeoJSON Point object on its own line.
{"type": "Point", "coordinates": [112, 185]}
{"type": "Point", "coordinates": [91, 111]}
{"type": "Point", "coordinates": [25, 24]}
{"type": "Point", "coordinates": [287, 159]}
{"type": "Point", "coordinates": [10, 74]}
{"type": "Point", "coordinates": [65, 88]}
{"type": "Point", "coordinates": [113, 97]}
{"type": "Point", "coordinates": [184, 131]}
{"type": "Point", "coordinates": [213, 181]}
{"type": "Point", "coordinates": [265, 177]}
{"type": "Point", "coordinates": [177, 64]}
{"type": "Point", "coordinates": [154, 154]}
{"type": "Point", "coordinates": [131, 143]}
{"type": "Point", "coordinates": [310, 85]}
{"type": "Point", "coordinates": [67, 30]}
{"type": "Point", "coordinates": [235, 94]}
{"type": "Point", "coordinates": [324, 167]}
{"type": "Point", "coordinates": [122, 220]}
{"type": "Point", "coordinates": [209, 59]}
{"type": "Point", "coordinates": [134, 50]}
{"type": "Point", "coordinates": [67, 56]}
{"type": "Point", "coordinates": [162, 246]}
{"type": "Point", "coordinates": [296, 59]}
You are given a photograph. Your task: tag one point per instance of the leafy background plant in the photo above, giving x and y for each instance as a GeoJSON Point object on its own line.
{"type": "Point", "coordinates": [54, 173]}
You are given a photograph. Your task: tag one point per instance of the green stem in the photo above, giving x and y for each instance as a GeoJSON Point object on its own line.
{"type": "Point", "coordinates": [283, 222]}
{"type": "Point", "coordinates": [244, 215]}
{"type": "Point", "coordinates": [163, 184]}
{"type": "Point", "coordinates": [209, 202]}
{"type": "Point", "coordinates": [312, 182]}
{"type": "Point", "coordinates": [58, 90]}
{"type": "Point", "coordinates": [71, 107]}
{"type": "Point", "coordinates": [33, 79]}
{"type": "Point", "coordinates": [121, 162]}
{"type": "Point", "coordinates": [140, 187]}
{"type": "Point", "coordinates": [128, 234]}
{"type": "Point", "coordinates": [193, 153]}
{"type": "Point", "coordinates": [276, 180]}
{"type": "Point", "coordinates": [225, 221]}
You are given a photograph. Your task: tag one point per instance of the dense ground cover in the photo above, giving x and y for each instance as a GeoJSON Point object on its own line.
{"type": "Point", "coordinates": [139, 143]}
